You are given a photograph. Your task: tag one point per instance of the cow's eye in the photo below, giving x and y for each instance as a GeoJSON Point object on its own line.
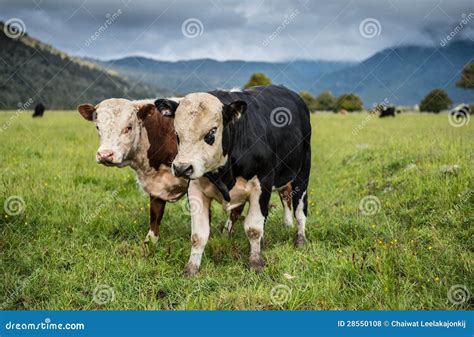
{"type": "Point", "coordinates": [210, 137]}
{"type": "Point", "coordinates": [127, 129]}
{"type": "Point", "coordinates": [97, 127]}
{"type": "Point", "coordinates": [177, 138]}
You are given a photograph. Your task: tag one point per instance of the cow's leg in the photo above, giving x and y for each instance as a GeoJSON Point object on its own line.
{"type": "Point", "coordinates": [300, 199]}
{"type": "Point", "coordinates": [285, 197]}
{"type": "Point", "coordinates": [200, 210]}
{"type": "Point", "coordinates": [157, 208]}
{"type": "Point", "coordinates": [255, 220]}
{"type": "Point", "coordinates": [233, 216]}
{"type": "Point", "coordinates": [300, 205]}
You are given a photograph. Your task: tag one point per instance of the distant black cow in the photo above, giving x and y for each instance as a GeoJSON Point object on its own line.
{"type": "Point", "coordinates": [387, 111]}
{"type": "Point", "coordinates": [39, 110]}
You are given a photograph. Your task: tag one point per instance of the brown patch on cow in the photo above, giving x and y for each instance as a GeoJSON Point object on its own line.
{"type": "Point", "coordinates": [145, 111]}
{"type": "Point", "coordinates": [286, 194]}
{"type": "Point", "coordinates": [234, 216]}
{"type": "Point", "coordinates": [195, 240]}
{"type": "Point", "coordinates": [157, 208]}
{"type": "Point", "coordinates": [253, 234]}
{"type": "Point", "coordinates": [162, 138]}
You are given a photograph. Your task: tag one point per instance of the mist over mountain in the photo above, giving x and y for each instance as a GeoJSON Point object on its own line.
{"type": "Point", "coordinates": [207, 74]}
{"type": "Point", "coordinates": [402, 75]}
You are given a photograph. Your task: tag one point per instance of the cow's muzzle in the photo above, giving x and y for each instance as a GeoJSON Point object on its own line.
{"type": "Point", "coordinates": [105, 156]}
{"type": "Point", "coordinates": [182, 170]}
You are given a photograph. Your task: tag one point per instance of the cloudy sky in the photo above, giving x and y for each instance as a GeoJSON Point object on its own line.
{"type": "Point", "coordinates": [246, 30]}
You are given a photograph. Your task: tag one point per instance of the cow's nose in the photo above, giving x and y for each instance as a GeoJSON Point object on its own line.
{"type": "Point", "coordinates": [183, 170]}
{"type": "Point", "coordinates": [105, 155]}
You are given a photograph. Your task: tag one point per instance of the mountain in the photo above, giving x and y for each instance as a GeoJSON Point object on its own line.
{"type": "Point", "coordinates": [30, 69]}
{"type": "Point", "coordinates": [402, 75]}
{"type": "Point", "coordinates": [207, 74]}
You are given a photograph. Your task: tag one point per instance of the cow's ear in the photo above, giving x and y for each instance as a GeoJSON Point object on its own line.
{"type": "Point", "coordinates": [234, 110]}
{"type": "Point", "coordinates": [87, 111]}
{"type": "Point", "coordinates": [167, 107]}
{"type": "Point", "coordinates": [145, 111]}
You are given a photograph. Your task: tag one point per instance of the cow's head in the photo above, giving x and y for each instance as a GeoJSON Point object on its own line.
{"type": "Point", "coordinates": [200, 121]}
{"type": "Point", "coordinates": [118, 123]}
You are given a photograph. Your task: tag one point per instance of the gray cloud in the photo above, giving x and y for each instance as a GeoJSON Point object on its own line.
{"type": "Point", "coordinates": [248, 30]}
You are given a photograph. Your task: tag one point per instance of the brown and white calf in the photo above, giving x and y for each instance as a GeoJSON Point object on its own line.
{"type": "Point", "coordinates": [131, 134]}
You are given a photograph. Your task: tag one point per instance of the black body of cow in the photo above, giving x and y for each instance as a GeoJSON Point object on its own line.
{"type": "Point", "coordinates": [271, 140]}
{"type": "Point", "coordinates": [387, 111]}
{"type": "Point", "coordinates": [266, 140]}
{"type": "Point", "coordinates": [39, 110]}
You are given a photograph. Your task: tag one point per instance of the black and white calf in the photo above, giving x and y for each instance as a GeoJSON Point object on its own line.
{"type": "Point", "coordinates": [247, 143]}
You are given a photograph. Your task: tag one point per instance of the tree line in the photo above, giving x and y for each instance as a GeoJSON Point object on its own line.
{"type": "Point", "coordinates": [435, 101]}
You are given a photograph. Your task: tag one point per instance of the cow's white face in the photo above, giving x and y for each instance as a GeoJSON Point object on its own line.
{"type": "Point", "coordinates": [118, 127]}
{"type": "Point", "coordinates": [199, 122]}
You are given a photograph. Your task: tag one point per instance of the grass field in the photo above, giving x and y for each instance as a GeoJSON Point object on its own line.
{"type": "Point", "coordinates": [75, 242]}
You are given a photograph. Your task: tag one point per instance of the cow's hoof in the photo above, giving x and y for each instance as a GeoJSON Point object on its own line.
{"type": "Point", "coordinates": [191, 270]}
{"type": "Point", "coordinates": [227, 228]}
{"type": "Point", "coordinates": [151, 238]}
{"type": "Point", "coordinates": [257, 263]}
{"type": "Point", "coordinates": [300, 240]}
